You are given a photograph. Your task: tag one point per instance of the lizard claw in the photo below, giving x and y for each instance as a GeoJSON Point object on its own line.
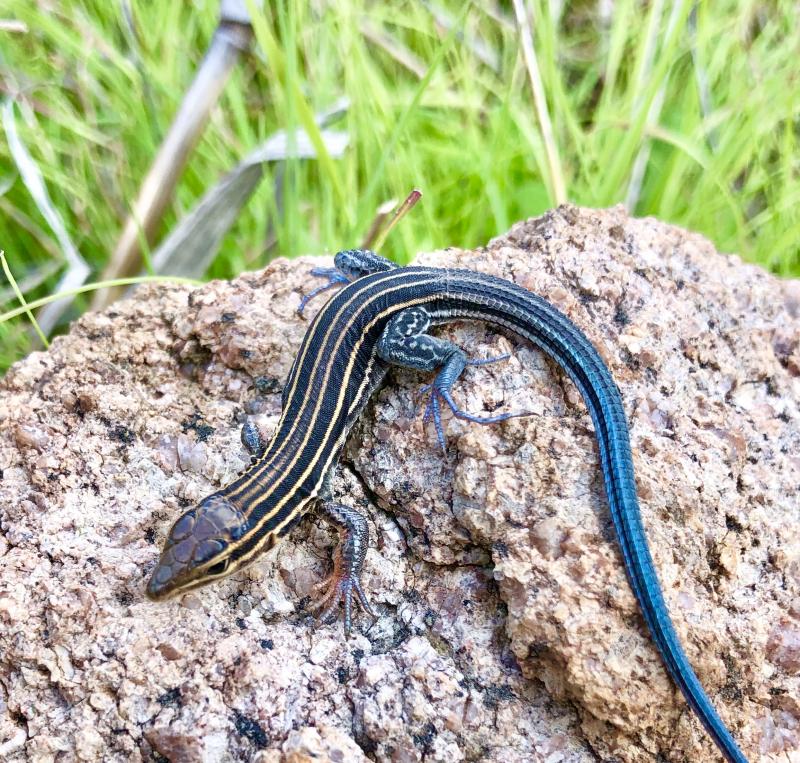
{"type": "Point", "coordinates": [440, 393]}
{"type": "Point", "coordinates": [340, 588]}
{"type": "Point", "coordinates": [486, 361]}
{"type": "Point", "coordinates": [335, 278]}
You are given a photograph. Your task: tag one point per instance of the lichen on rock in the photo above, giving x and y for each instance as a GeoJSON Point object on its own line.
{"type": "Point", "coordinates": [507, 630]}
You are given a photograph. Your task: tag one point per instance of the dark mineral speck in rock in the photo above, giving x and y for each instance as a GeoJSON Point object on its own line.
{"type": "Point", "coordinates": [250, 729]}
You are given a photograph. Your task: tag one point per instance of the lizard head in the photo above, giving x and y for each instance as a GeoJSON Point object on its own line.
{"type": "Point", "coordinates": [198, 548]}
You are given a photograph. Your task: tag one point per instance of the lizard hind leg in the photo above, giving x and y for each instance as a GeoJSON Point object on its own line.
{"type": "Point", "coordinates": [405, 343]}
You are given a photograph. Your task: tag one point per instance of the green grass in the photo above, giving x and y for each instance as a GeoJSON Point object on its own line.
{"type": "Point", "coordinates": [95, 94]}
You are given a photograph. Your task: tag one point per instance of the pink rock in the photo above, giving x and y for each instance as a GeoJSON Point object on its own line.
{"type": "Point", "coordinates": [507, 630]}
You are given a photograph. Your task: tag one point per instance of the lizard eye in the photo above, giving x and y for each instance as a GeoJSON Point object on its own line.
{"type": "Point", "coordinates": [219, 568]}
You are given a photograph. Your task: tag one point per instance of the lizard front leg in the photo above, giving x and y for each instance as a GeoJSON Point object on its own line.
{"type": "Point", "coordinates": [348, 561]}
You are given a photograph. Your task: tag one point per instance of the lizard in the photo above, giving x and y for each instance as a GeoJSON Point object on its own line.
{"type": "Point", "coordinates": [381, 317]}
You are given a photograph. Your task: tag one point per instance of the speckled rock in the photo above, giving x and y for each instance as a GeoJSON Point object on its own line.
{"type": "Point", "coordinates": [507, 631]}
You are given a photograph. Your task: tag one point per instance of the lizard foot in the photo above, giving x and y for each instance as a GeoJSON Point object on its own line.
{"type": "Point", "coordinates": [433, 409]}
{"type": "Point", "coordinates": [348, 560]}
{"type": "Point", "coordinates": [340, 587]}
{"type": "Point", "coordinates": [335, 278]}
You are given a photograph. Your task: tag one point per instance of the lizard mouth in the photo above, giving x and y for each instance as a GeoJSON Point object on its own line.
{"type": "Point", "coordinates": [163, 581]}
{"type": "Point", "coordinates": [172, 577]}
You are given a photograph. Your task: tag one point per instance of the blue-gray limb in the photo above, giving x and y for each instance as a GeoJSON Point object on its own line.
{"type": "Point", "coordinates": [335, 278]}
{"type": "Point", "coordinates": [253, 441]}
{"type": "Point", "coordinates": [405, 343]}
{"type": "Point", "coordinates": [350, 264]}
{"type": "Point", "coordinates": [348, 560]}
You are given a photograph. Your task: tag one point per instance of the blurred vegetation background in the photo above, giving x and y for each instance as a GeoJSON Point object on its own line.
{"type": "Point", "coordinates": [688, 111]}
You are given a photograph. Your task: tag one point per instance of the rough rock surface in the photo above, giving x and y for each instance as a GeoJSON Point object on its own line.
{"type": "Point", "coordinates": [507, 631]}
